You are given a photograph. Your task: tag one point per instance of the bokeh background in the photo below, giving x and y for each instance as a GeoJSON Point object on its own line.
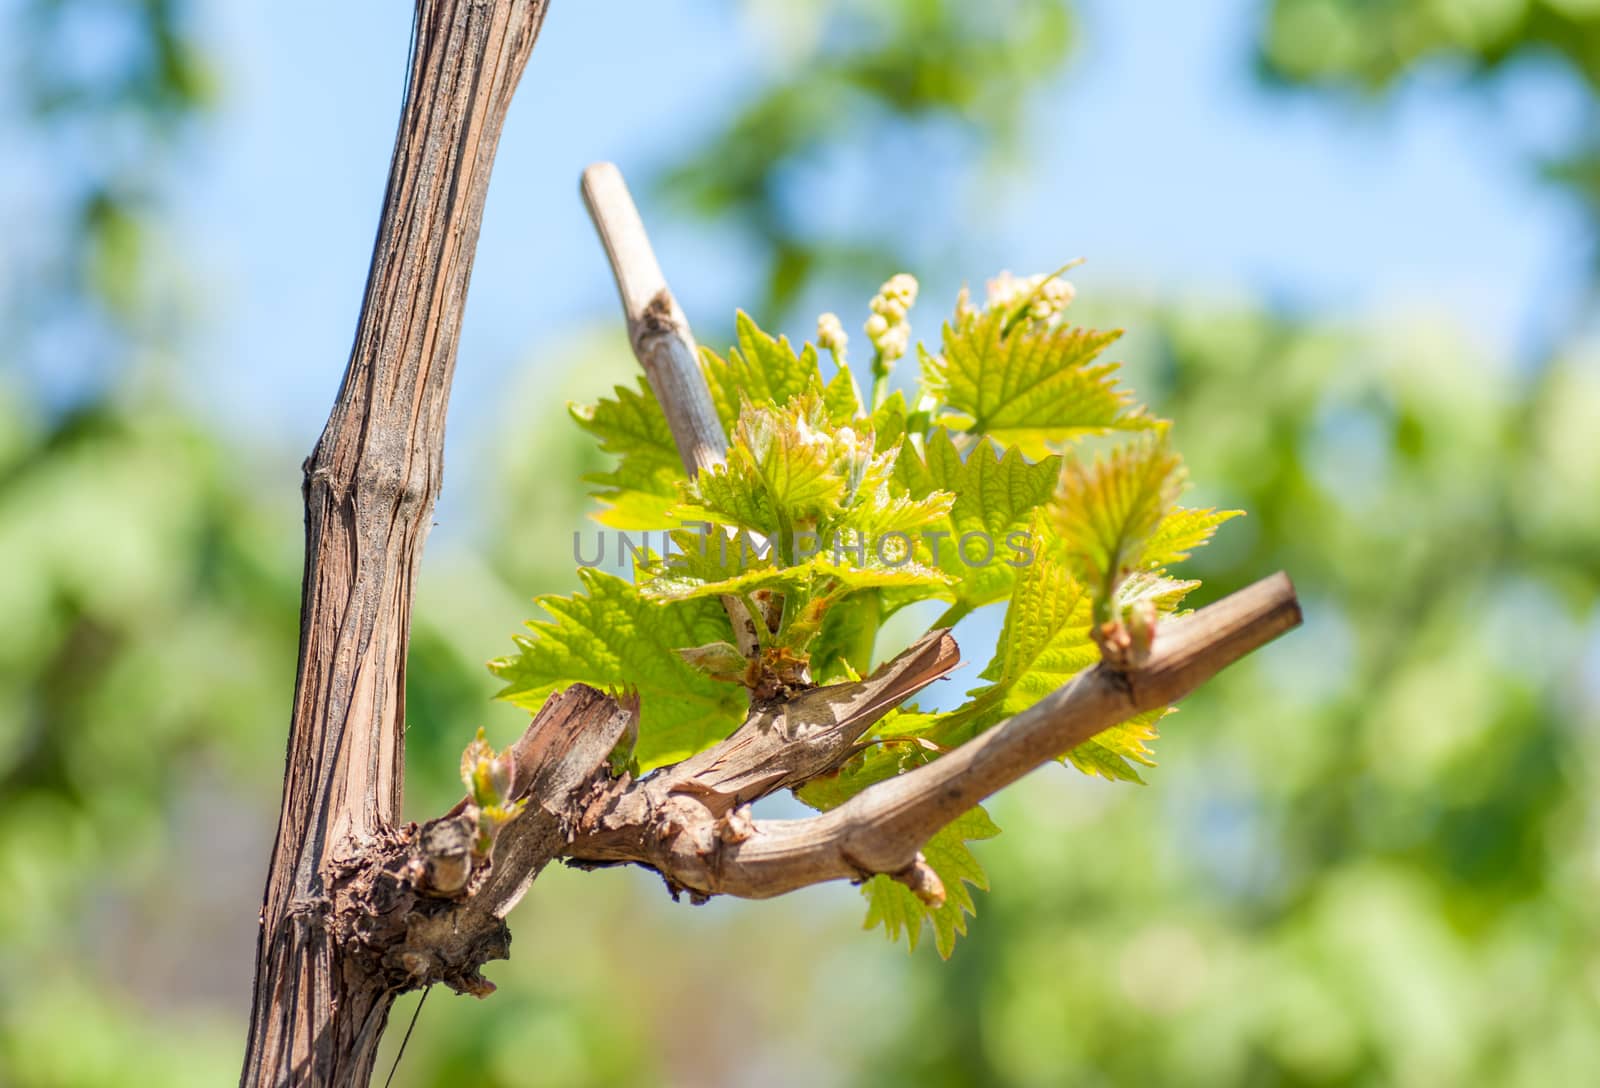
{"type": "Point", "coordinates": [1354, 247]}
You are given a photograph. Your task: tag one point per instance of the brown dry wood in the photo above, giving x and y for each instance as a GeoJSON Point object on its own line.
{"type": "Point", "coordinates": [428, 909]}
{"type": "Point", "coordinates": [677, 820]}
{"type": "Point", "coordinates": [682, 831]}
{"type": "Point", "coordinates": [661, 340]}
{"type": "Point", "coordinates": [370, 486]}
{"type": "Point", "coordinates": [425, 908]}
{"type": "Point", "coordinates": [657, 329]}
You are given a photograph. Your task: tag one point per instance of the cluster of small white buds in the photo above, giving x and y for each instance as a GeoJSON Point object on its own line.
{"type": "Point", "coordinates": [1046, 296]}
{"type": "Point", "coordinates": [831, 335]}
{"type": "Point", "coordinates": [1055, 294]}
{"type": "Point", "coordinates": [888, 328]}
{"type": "Point", "coordinates": [897, 296]}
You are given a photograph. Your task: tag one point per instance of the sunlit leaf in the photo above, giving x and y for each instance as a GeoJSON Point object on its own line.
{"type": "Point", "coordinates": [1030, 388]}
{"type": "Point", "coordinates": [611, 636]}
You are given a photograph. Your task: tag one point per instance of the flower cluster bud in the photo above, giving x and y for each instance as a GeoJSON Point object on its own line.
{"type": "Point", "coordinates": [1045, 296]}
{"type": "Point", "coordinates": [888, 328]}
{"type": "Point", "coordinates": [831, 335]}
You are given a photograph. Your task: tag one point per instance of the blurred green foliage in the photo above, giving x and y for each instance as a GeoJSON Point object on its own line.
{"type": "Point", "coordinates": [149, 598]}
{"type": "Point", "coordinates": [848, 80]}
{"type": "Point", "coordinates": [1366, 859]}
{"type": "Point", "coordinates": [108, 94]}
{"type": "Point", "coordinates": [1375, 46]}
{"type": "Point", "coordinates": [146, 589]}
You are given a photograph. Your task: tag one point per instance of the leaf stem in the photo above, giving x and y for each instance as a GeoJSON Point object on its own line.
{"type": "Point", "coordinates": [758, 618]}
{"type": "Point", "coordinates": [868, 619]}
{"type": "Point", "coordinates": [880, 386]}
{"type": "Point", "coordinates": [787, 556]}
{"type": "Point", "coordinates": [952, 615]}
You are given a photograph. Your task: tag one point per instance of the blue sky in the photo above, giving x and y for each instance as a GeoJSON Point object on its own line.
{"type": "Point", "coordinates": [1155, 155]}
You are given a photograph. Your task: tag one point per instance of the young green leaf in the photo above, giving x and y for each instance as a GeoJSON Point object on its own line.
{"type": "Point", "coordinates": [842, 397]}
{"type": "Point", "coordinates": [1045, 642]}
{"type": "Point", "coordinates": [816, 574]}
{"type": "Point", "coordinates": [1107, 512]}
{"type": "Point", "coordinates": [1036, 385]}
{"type": "Point", "coordinates": [487, 776]}
{"type": "Point", "coordinates": [612, 637]}
{"type": "Point", "coordinates": [1181, 531]}
{"type": "Point", "coordinates": [893, 906]}
{"type": "Point", "coordinates": [889, 421]}
{"type": "Point", "coordinates": [986, 536]}
{"type": "Point", "coordinates": [643, 485]}
{"type": "Point", "coordinates": [630, 424]}
{"type": "Point", "coordinates": [782, 471]}
{"type": "Point", "coordinates": [718, 660]}
{"type": "Point", "coordinates": [760, 369]}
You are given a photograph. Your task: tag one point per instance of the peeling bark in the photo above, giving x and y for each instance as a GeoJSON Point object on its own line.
{"type": "Point", "coordinates": [678, 822]}
{"type": "Point", "coordinates": [370, 486]}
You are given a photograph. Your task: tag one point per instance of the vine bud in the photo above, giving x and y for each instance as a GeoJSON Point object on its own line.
{"type": "Point", "coordinates": [831, 335]}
